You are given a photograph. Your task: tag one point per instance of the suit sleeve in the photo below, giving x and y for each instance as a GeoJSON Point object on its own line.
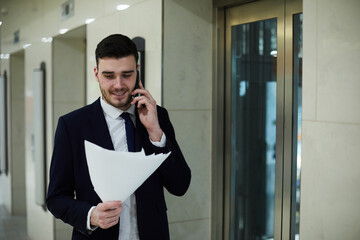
{"type": "Point", "coordinates": [61, 200]}
{"type": "Point", "coordinates": [174, 171]}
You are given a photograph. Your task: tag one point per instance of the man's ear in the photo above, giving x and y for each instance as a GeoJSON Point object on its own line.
{"type": "Point", "coordinates": [96, 73]}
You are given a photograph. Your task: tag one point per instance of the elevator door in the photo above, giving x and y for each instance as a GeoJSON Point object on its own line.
{"type": "Point", "coordinates": [259, 86]}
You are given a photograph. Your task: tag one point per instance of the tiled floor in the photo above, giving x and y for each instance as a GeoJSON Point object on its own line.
{"type": "Point", "coordinates": [12, 227]}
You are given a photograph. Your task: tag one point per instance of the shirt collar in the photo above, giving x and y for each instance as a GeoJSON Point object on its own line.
{"type": "Point", "coordinates": [114, 112]}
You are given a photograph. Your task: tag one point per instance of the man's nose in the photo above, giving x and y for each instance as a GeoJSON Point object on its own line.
{"type": "Point", "coordinates": [118, 82]}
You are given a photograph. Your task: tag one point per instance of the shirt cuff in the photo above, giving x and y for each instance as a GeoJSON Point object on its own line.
{"type": "Point", "coordinates": [162, 142]}
{"type": "Point", "coordinates": [88, 220]}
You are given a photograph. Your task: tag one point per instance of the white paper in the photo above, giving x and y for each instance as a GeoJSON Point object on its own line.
{"type": "Point", "coordinates": [116, 175]}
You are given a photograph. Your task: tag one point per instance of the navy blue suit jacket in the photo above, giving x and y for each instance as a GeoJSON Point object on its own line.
{"type": "Point", "coordinates": [71, 193]}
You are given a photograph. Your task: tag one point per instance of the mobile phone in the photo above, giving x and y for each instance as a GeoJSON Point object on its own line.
{"type": "Point", "coordinates": [137, 85]}
{"type": "Point", "coordinates": [137, 80]}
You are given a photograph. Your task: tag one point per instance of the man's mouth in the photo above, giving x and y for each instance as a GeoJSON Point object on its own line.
{"type": "Point", "coordinates": [119, 93]}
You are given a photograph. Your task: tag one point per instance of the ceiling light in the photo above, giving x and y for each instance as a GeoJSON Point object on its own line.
{"type": "Point", "coordinates": [122, 7]}
{"type": "Point", "coordinates": [89, 20]}
{"type": "Point", "coordinates": [46, 40]}
{"type": "Point", "coordinates": [4, 56]}
{"type": "Point", "coordinates": [273, 53]}
{"type": "Point", "coordinates": [0, 23]}
{"type": "Point", "coordinates": [26, 45]}
{"type": "Point", "coordinates": [63, 30]}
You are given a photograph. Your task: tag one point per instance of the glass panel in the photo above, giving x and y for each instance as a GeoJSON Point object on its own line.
{"type": "Point", "coordinates": [253, 130]}
{"type": "Point", "coordinates": [296, 156]}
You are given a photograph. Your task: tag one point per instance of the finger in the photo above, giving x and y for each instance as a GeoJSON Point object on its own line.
{"type": "Point", "coordinates": [140, 84]}
{"type": "Point", "coordinates": [147, 96]}
{"type": "Point", "coordinates": [109, 205]}
{"type": "Point", "coordinates": [141, 100]}
{"type": "Point", "coordinates": [142, 104]}
{"type": "Point", "coordinates": [104, 219]}
{"type": "Point", "coordinates": [140, 91]}
{"type": "Point", "coordinates": [115, 212]}
{"type": "Point", "coordinates": [112, 223]}
{"type": "Point", "coordinates": [145, 102]}
{"type": "Point", "coordinates": [143, 92]}
{"type": "Point", "coordinates": [108, 223]}
{"type": "Point", "coordinates": [112, 205]}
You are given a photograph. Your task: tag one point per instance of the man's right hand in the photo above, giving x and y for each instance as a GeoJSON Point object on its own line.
{"type": "Point", "coordinates": [106, 214]}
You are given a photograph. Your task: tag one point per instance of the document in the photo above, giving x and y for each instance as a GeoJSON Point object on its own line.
{"type": "Point", "coordinates": [116, 175]}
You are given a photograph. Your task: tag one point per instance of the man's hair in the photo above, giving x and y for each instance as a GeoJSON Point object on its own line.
{"type": "Point", "coordinates": [116, 46]}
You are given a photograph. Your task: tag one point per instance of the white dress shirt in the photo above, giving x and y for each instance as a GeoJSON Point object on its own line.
{"type": "Point", "coordinates": [116, 124]}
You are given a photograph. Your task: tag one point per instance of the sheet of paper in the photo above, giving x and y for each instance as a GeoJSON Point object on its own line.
{"type": "Point", "coordinates": [116, 175]}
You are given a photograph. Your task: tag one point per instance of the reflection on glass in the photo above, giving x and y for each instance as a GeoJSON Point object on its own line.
{"type": "Point", "coordinates": [253, 130]}
{"type": "Point", "coordinates": [296, 156]}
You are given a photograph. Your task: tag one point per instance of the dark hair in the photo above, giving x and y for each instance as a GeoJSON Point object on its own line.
{"type": "Point", "coordinates": [116, 46]}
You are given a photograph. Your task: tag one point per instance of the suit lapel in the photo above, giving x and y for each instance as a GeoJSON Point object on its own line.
{"type": "Point", "coordinates": [100, 127]}
{"type": "Point", "coordinates": [102, 135]}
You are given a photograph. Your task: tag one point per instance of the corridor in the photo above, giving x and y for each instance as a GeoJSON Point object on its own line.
{"type": "Point", "coordinates": [12, 227]}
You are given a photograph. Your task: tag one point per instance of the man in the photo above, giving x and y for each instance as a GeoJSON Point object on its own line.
{"type": "Point", "coordinates": [71, 196]}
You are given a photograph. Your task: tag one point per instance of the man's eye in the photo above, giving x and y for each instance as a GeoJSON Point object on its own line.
{"type": "Point", "coordinates": [109, 76]}
{"type": "Point", "coordinates": [126, 75]}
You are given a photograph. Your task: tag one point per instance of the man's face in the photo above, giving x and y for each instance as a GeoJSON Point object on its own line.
{"type": "Point", "coordinates": [117, 77]}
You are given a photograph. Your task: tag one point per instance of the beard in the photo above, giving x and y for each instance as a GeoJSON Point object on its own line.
{"type": "Point", "coordinates": [124, 104]}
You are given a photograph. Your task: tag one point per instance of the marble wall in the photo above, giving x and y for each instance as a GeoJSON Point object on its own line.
{"type": "Point", "coordinates": [187, 96]}
{"type": "Point", "coordinates": [331, 121]}
{"type": "Point", "coordinates": [69, 78]}
{"type": "Point", "coordinates": [5, 179]}
{"type": "Point", "coordinates": [42, 228]}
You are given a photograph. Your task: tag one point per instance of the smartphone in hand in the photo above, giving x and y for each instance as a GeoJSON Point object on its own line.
{"type": "Point", "coordinates": [137, 85]}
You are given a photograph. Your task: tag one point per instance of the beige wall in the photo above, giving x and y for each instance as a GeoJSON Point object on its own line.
{"type": "Point", "coordinates": [69, 78]}
{"type": "Point", "coordinates": [12, 185]}
{"type": "Point", "coordinates": [42, 228]}
{"type": "Point", "coordinates": [187, 96]}
{"type": "Point", "coordinates": [331, 121]}
{"type": "Point", "coordinates": [5, 180]}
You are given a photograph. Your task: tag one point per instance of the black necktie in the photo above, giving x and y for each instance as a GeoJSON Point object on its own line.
{"type": "Point", "coordinates": [130, 131]}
